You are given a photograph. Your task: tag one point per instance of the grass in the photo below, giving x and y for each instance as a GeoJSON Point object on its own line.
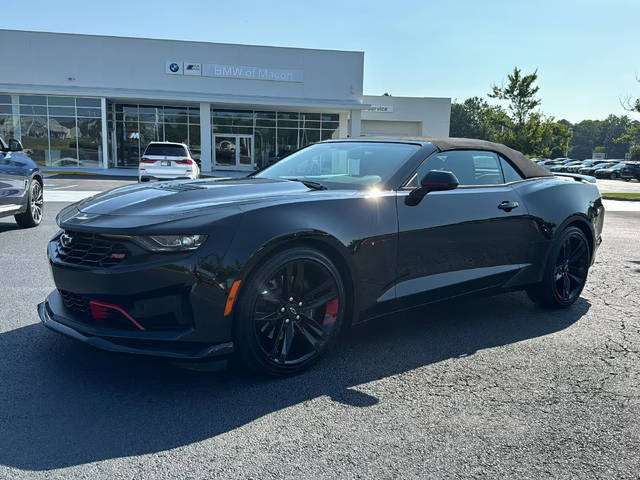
{"type": "Point", "coordinates": [635, 196]}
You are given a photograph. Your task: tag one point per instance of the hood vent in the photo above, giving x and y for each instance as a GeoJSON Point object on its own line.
{"type": "Point", "coordinates": [178, 187]}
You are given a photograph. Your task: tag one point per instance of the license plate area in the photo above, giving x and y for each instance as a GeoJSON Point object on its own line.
{"type": "Point", "coordinates": [165, 164]}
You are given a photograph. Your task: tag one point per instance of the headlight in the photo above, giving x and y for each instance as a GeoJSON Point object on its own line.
{"type": "Point", "coordinates": [170, 243]}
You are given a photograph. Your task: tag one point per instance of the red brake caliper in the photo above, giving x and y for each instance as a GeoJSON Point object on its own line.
{"type": "Point", "coordinates": [331, 313]}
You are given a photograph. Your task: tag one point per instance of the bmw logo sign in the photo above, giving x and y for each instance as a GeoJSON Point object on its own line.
{"type": "Point", "coordinates": [174, 67]}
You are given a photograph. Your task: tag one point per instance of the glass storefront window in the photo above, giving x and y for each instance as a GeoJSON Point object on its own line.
{"type": "Point", "coordinates": [33, 100]}
{"type": "Point", "coordinates": [56, 131]}
{"type": "Point", "coordinates": [62, 102]}
{"type": "Point", "coordinates": [309, 136]}
{"type": "Point", "coordinates": [6, 127]}
{"type": "Point", "coordinates": [137, 125]}
{"type": "Point", "coordinates": [265, 146]}
{"type": "Point", "coordinates": [287, 141]}
{"type": "Point", "coordinates": [89, 142]}
{"type": "Point", "coordinates": [35, 137]}
{"type": "Point", "coordinates": [63, 146]}
{"type": "Point", "coordinates": [275, 134]}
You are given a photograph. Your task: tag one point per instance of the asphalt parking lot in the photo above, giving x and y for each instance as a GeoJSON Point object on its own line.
{"type": "Point", "coordinates": [485, 387]}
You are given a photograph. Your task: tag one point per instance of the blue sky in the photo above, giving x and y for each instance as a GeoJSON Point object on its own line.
{"type": "Point", "coordinates": [587, 52]}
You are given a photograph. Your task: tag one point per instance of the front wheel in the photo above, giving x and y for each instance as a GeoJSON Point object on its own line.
{"type": "Point", "coordinates": [290, 312]}
{"type": "Point", "coordinates": [565, 272]}
{"type": "Point", "coordinates": [35, 207]}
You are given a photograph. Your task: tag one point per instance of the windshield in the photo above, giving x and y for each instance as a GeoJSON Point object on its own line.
{"type": "Point", "coordinates": [343, 164]}
{"type": "Point", "coordinates": [166, 150]}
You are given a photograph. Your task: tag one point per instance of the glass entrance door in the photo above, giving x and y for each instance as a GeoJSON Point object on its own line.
{"type": "Point", "coordinates": [233, 151]}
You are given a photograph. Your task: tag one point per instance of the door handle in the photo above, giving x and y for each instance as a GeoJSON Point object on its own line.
{"type": "Point", "coordinates": [507, 206]}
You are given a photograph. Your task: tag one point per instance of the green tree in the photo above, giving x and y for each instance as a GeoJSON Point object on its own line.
{"type": "Point", "coordinates": [632, 135]}
{"type": "Point", "coordinates": [475, 118]}
{"type": "Point", "coordinates": [526, 129]}
{"type": "Point", "coordinates": [520, 92]}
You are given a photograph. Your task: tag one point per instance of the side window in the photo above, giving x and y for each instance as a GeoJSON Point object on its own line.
{"type": "Point", "coordinates": [472, 167]}
{"type": "Point", "coordinates": [510, 173]}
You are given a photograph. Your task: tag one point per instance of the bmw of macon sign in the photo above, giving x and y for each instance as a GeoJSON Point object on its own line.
{"type": "Point", "coordinates": [173, 67]}
{"type": "Point", "coordinates": [244, 72]}
{"type": "Point", "coordinates": [252, 73]}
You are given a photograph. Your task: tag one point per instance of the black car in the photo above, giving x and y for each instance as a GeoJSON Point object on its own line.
{"type": "Point", "coordinates": [565, 166]}
{"type": "Point", "coordinates": [590, 170]}
{"type": "Point", "coordinates": [613, 172]}
{"type": "Point", "coordinates": [631, 171]}
{"type": "Point", "coordinates": [273, 267]}
{"type": "Point", "coordinates": [21, 192]}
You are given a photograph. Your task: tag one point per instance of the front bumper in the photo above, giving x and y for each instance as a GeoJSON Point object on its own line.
{"type": "Point", "coordinates": [56, 317]}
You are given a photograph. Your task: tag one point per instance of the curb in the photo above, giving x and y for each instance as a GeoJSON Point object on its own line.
{"type": "Point", "coordinates": [621, 199]}
{"type": "Point", "coordinates": [55, 172]}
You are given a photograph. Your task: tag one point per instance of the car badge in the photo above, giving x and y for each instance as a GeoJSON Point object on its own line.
{"type": "Point", "coordinates": [65, 240]}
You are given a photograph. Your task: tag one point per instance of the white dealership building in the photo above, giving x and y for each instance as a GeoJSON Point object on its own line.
{"type": "Point", "coordinates": [94, 102]}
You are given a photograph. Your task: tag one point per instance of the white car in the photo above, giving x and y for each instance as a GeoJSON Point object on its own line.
{"type": "Point", "coordinates": [167, 161]}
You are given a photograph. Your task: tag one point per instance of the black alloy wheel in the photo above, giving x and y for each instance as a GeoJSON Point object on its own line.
{"type": "Point", "coordinates": [35, 207]}
{"type": "Point", "coordinates": [290, 312]}
{"type": "Point", "coordinates": [566, 271]}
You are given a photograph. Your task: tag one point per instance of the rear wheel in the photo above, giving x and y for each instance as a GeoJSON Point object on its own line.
{"type": "Point", "coordinates": [565, 273]}
{"type": "Point", "coordinates": [290, 312]}
{"type": "Point", "coordinates": [35, 207]}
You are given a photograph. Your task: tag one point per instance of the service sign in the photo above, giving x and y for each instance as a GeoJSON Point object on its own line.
{"type": "Point", "coordinates": [380, 108]}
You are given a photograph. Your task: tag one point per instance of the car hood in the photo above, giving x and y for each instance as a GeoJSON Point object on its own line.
{"type": "Point", "coordinates": [179, 198]}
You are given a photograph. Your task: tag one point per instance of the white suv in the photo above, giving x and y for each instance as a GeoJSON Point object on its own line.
{"type": "Point", "coordinates": [167, 160]}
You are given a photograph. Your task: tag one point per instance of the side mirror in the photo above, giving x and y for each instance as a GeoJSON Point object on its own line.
{"type": "Point", "coordinates": [433, 181]}
{"type": "Point", "coordinates": [15, 145]}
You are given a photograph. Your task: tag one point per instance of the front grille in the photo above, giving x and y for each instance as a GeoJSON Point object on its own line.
{"type": "Point", "coordinates": [75, 302]}
{"type": "Point", "coordinates": [80, 305]}
{"type": "Point", "coordinates": [90, 249]}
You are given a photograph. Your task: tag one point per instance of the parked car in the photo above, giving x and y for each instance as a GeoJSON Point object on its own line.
{"type": "Point", "coordinates": [613, 172]}
{"type": "Point", "coordinates": [563, 167]}
{"type": "Point", "coordinates": [21, 185]}
{"type": "Point", "coordinates": [583, 164]}
{"type": "Point", "coordinates": [167, 161]}
{"type": "Point", "coordinates": [631, 171]}
{"type": "Point", "coordinates": [550, 163]}
{"type": "Point", "coordinates": [591, 169]}
{"type": "Point", "coordinates": [272, 267]}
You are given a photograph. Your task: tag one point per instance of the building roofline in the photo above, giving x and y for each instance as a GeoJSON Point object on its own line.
{"type": "Point", "coordinates": [200, 42]}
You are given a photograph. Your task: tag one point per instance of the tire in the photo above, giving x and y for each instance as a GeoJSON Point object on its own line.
{"type": "Point", "coordinates": [35, 207]}
{"type": "Point", "coordinates": [566, 271]}
{"type": "Point", "coordinates": [277, 336]}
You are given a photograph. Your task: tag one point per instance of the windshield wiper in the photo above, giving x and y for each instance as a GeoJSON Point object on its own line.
{"type": "Point", "coordinates": [309, 183]}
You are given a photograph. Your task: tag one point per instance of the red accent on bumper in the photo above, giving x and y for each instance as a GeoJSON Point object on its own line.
{"type": "Point", "coordinates": [99, 312]}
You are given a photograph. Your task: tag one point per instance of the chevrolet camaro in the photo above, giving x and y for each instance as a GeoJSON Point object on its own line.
{"type": "Point", "coordinates": [271, 268]}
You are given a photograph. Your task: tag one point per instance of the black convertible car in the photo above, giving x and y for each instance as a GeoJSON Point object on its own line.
{"type": "Point", "coordinates": [272, 267]}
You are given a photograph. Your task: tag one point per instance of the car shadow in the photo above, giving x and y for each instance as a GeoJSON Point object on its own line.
{"type": "Point", "coordinates": [63, 403]}
{"type": "Point", "coordinates": [8, 226]}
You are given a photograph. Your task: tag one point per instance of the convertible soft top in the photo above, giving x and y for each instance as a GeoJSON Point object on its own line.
{"type": "Point", "coordinates": [528, 168]}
